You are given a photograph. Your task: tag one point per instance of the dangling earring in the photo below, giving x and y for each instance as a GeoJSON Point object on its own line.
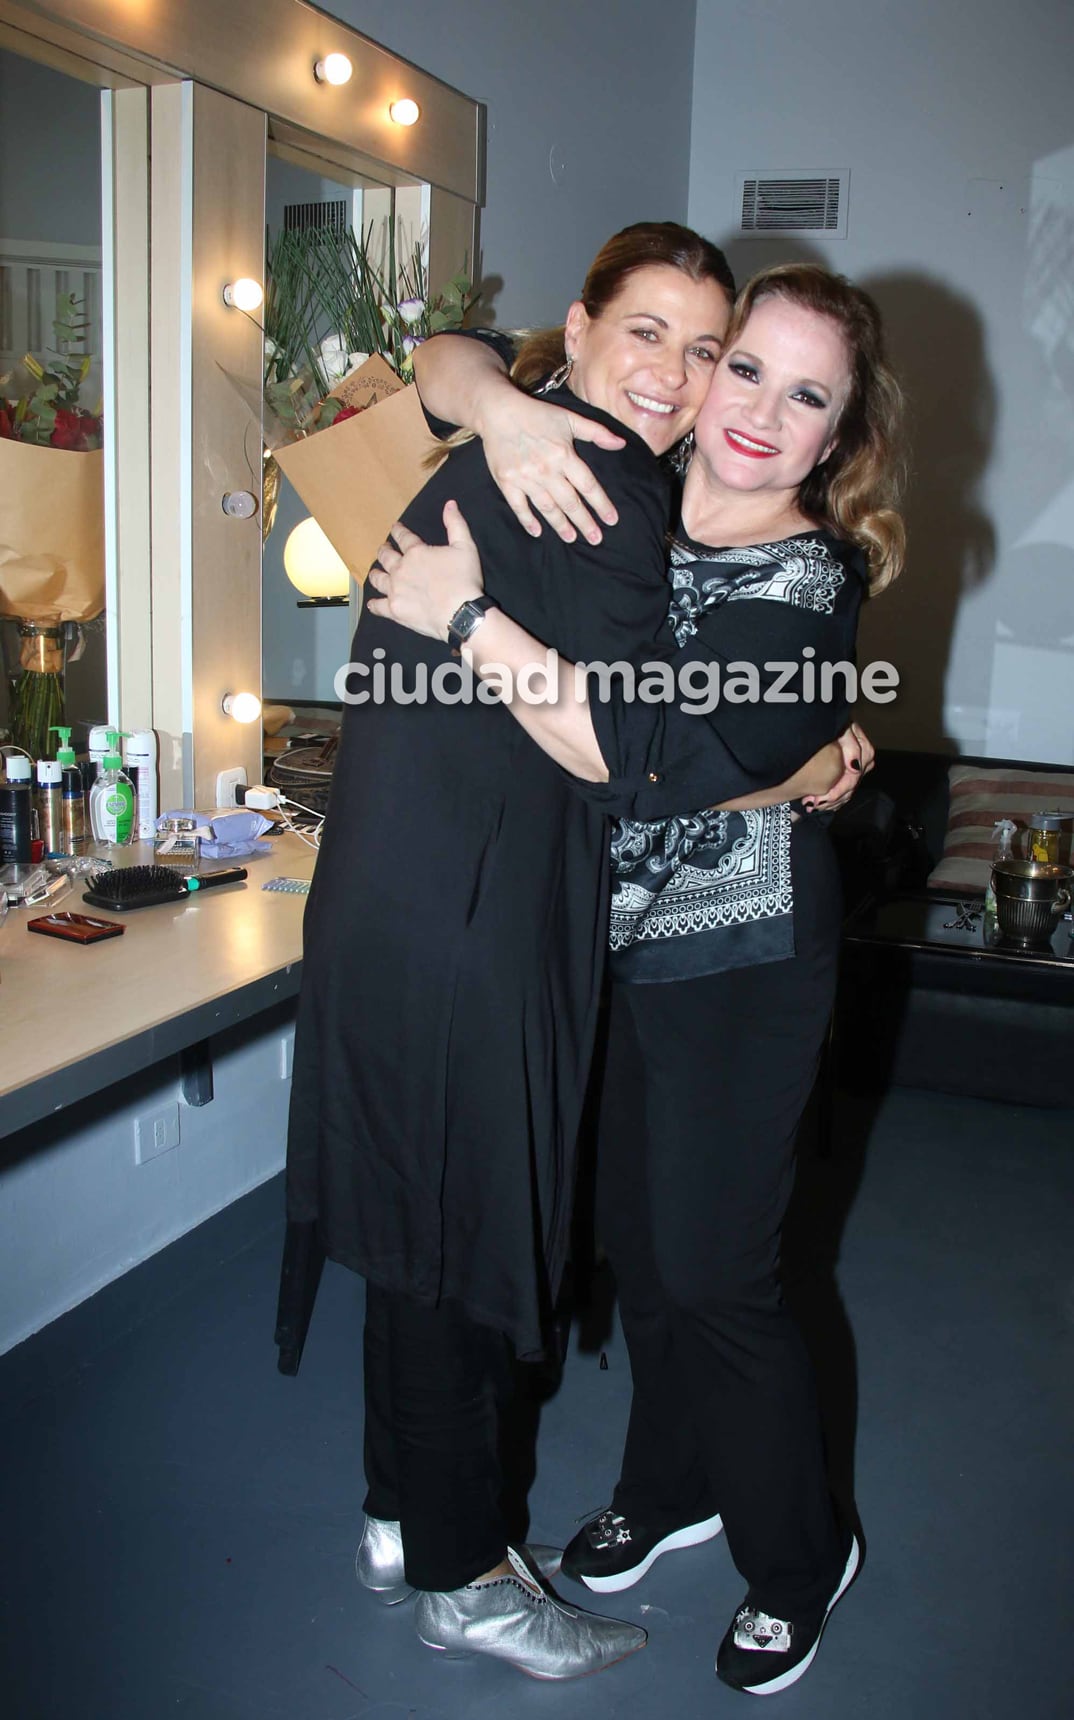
{"type": "Point", "coordinates": [559, 378]}
{"type": "Point", "coordinates": [679, 457]}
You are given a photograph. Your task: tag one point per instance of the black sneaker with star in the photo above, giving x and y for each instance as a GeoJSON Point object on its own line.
{"type": "Point", "coordinates": [762, 1654]}
{"type": "Point", "coordinates": [612, 1552]}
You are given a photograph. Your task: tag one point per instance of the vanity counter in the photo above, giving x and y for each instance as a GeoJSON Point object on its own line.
{"type": "Point", "coordinates": [74, 1018]}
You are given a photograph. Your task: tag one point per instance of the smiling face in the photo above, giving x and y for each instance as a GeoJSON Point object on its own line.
{"type": "Point", "coordinates": [648, 358]}
{"type": "Point", "coordinates": [773, 409]}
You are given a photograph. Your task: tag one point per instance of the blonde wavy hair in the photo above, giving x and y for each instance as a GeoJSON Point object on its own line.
{"type": "Point", "coordinates": [858, 490]}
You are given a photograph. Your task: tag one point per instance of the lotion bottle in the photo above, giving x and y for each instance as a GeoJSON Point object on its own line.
{"type": "Point", "coordinates": [140, 753]}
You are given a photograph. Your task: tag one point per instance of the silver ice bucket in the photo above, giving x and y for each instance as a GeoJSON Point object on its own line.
{"type": "Point", "coordinates": [1030, 896]}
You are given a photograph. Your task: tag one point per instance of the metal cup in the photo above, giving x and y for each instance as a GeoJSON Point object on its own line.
{"type": "Point", "coordinates": [1030, 897]}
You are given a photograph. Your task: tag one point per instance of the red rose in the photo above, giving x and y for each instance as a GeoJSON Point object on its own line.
{"type": "Point", "coordinates": [75, 430]}
{"type": "Point", "coordinates": [346, 412]}
{"type": "Point", "coordinates": [7, 428]}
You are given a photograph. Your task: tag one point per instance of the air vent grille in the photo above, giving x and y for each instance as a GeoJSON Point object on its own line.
{"type": "Point", "coordinates": [300, 217]}
{"type": "Point", "coordinates": [770, 204]}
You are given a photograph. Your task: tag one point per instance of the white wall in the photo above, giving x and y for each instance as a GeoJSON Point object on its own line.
{"type": "Point", "coordinates": [957, 125]}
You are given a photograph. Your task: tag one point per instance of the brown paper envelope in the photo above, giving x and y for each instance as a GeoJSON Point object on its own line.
{"type": "Point", "coordinates": [51, 533]}
{"type": "Point", "coordinates": [357, 477]}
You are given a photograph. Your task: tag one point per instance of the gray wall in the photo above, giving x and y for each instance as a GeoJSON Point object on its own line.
{"type": "Point", "coordinates": [957, 126]}
{"type": "Point", "coordinates": [50, 173]}
{"type": "Point", "coordinates": [607, 85]}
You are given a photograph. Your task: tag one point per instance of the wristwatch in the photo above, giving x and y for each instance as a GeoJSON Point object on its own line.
{"type": "Point", "coordinates": [467, 619]}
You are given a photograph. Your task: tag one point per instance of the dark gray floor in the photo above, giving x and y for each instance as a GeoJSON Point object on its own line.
{"type": "Point", "coordinates": [179, 1520]}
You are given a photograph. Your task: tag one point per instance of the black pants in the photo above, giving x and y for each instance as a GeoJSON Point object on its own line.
{"type": "Point", "coordinates": [435, 1385]}
{"type": "Point", "coordinates": [705, 1085]}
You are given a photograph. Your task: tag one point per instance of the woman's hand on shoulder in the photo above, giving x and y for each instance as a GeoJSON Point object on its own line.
{"type": "Point", "coordinates": [529, 447]}
{"type": "Point", "coordinates": [421, 585]}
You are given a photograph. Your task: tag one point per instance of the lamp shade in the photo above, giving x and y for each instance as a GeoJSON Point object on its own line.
{"type": "Point", "coordinates": [312, 565]}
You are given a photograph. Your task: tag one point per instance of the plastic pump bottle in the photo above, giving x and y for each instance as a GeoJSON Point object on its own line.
{"type": "Point", "coordinates": [97, 748]}
{"type": "Point", "coordinates": [73, 800]}
{"type": "Point", "coordinates": [112, 799]}
{"type": "Point", "coordinates": [1002, 834]}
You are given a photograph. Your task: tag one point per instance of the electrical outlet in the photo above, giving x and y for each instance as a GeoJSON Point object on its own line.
{"type": "Point", "coordinates": [155, 1132]}
{"type": "Point", "coordinates": [227, 781]}
{"type": "Point", "coordinates": [287, 1056]}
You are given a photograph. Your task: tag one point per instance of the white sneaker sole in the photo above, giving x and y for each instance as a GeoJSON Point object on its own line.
{"type": "Point", "coordinates": [692, 1536]}
{"type": "Point", "coordinates": [788, 1678]}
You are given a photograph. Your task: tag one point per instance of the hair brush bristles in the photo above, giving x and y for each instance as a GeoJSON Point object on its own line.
{"type": "Point", "coordinates": [147, 886]}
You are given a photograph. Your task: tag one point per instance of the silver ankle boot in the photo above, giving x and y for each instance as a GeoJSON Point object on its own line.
{"type": "Point", "coordinates": [507, 1618]}
{"type": "Point", "coordinates": [378, 1562]}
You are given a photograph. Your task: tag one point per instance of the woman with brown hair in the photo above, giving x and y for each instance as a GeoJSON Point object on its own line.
{"type": "Point", "coordinates": [724, 936]}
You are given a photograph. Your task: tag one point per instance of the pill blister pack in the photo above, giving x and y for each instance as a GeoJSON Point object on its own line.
{"type": "Point", "coordinates": [289, 886]}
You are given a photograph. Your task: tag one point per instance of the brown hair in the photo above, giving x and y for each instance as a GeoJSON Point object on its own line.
{"type": "Point", "coordinates": [858, 489]}
{"type": "Point", "coordinates": [637, 247]}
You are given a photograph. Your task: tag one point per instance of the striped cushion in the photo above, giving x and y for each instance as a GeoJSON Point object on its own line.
{"type": "Point", "coordinates": [982, 794]}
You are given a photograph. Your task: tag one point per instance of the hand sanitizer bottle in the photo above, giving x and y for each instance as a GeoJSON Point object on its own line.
{"type": "Point", "coordinates": [112, 799]}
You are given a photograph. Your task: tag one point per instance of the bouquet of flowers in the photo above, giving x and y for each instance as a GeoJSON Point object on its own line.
{"type": "Point", "coordinates": [51, 416]}
{"type": "Point", "coordinates": [340, 335]}
{"type": "Point", "coordinates": [51, 521]}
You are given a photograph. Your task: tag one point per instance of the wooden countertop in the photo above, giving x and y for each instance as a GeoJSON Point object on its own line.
{"type": "Point", "coordinates": [73, 1018]}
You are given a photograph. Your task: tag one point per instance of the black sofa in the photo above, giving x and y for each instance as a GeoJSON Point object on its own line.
{"type": "Point", "coordinates": [968, 1028]}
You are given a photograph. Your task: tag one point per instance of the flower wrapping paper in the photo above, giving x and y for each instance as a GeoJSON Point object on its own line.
{"type": "Point", "coordinates": [51, 533]}
{"type": "Point", "coordinates": [358, 475]}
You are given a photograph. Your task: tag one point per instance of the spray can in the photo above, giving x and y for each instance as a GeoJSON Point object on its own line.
{"type": "Point", "coordinates": [140, 755]}
{"type": "Point", "coordinates": [15, 833]}
{"type": "Point", "coordinates": [73, 797]}
{"type": "Point", "coordinates": [50, 804]}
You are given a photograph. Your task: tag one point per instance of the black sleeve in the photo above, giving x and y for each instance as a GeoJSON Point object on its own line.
{"type": "Point", "coordinates": [670, 758]}
{"type": "Point", "coordinates": [504, 345]}
{"type": "Point", "coordinates": [605, 602]}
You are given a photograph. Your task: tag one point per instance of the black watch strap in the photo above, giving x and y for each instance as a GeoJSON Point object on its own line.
{"type": "Point", "coordinates": [467, 618]}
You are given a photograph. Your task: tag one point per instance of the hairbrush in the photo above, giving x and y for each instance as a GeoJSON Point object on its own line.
{"type": "Point", "coordinates": [148, 886]}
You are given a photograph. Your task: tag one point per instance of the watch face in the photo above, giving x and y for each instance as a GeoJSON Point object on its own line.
{"type": "Point", "coordinates": [467, 619]}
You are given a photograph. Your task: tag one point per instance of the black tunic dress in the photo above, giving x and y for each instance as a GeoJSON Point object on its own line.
{"type": "Point", "coordinates": [456, 929]}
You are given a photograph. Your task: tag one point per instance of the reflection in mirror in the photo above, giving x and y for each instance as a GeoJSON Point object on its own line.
{"type": "Point", "coordinates": [302, 648]}
{"type": "Point", "coordinates": [51, 466]}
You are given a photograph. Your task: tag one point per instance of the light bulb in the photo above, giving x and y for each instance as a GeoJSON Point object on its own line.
{"type": "Point", "coordinates": [244, 294]}
{"type": "Point", "coordinates": [244, 707]}
{"type": "Point", "coordinates": [312, 565]}
{"type": "Point", "coordinates": [333, 69]}
{"type": "Point", "coordinates": [405, 112]}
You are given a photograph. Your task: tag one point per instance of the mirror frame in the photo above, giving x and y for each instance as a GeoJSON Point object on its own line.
{"type": "Point", "coordinates": [197, 92]}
